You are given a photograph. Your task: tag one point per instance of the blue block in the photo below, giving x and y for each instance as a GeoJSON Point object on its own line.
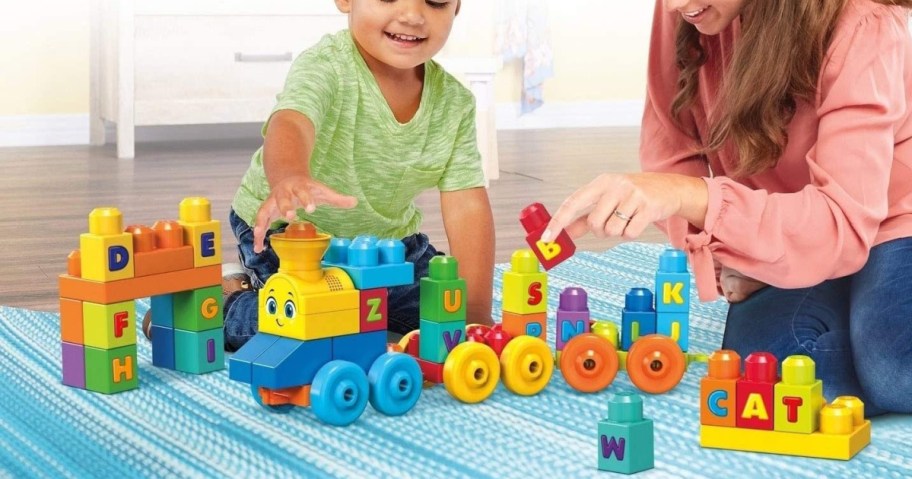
{"type": "Point", "coordinates": [291, 362]}
{"type": "Point", "coordinates": [162, 346]}
{"type": "Point", "coordinates": [643, 321]}
{"type": "Point", "coordinates": [672, 291]}
{"type": "Point", "coordinates": [371, 263]}
{"type": "Point", "coordinates": [674, 325]}
{"type": "Point", "coordinates": [240, 366]}
{"type": "Point", "coordinates": [163, 310]}
{"type": "Point", "coordinates": [362, 349]}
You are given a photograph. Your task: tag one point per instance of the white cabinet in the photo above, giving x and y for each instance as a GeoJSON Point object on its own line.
{"type": "Point", "coordinates": [220, 61]}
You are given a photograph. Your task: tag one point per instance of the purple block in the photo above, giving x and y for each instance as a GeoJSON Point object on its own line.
{"type": "Point", "coordinates": [572, 316]}
{"type": "Point", "coordinates": [74, 365]}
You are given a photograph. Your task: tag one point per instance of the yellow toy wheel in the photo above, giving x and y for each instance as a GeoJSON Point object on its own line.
{"type": "Point", "coordinates": [470, 372]}
{"type": "Point", "coordinates": [655, 364]}
{"type": "Point", "coordinates": [526, 365]}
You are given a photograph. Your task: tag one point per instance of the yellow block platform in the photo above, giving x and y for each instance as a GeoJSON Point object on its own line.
{"type": "Point", "coordinates": [826, 446]}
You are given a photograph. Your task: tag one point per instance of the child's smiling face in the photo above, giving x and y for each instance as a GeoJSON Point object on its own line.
{"type": "Point", "coordinates": [402, 34]}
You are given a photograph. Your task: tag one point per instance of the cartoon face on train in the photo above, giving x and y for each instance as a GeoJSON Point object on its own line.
{"type": "Point", "coordinates": [279, 306]}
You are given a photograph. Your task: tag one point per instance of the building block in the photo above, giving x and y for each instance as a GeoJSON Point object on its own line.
{"type": "Point", "coordinates": [572, 316]}
{"type": "Point", "coordinates": [201, 231]}
{"type": "Point", "coordinates": [240, 365]}
{"type": "Point", "coordinates": [638, 318]}
{"type": "Point", "coordinates": [111, 371]}
{"type": "Point", "coordinates": [626, 439]}
{"type": "Point", "coordinates": [432, 372]}
{"type": "Point", "coordinates": [106, 252]}
{"type": "Point", "coordinates": [128, 289]}
{"type": "Point", "coordinates": [199, 352]}
{"type": "Point", "coordinates": [163, 347]}
{"type": "Point", "coordinates": [152, 255]}
{"type": "Point", "coordinates": [717, 389]}
{"type": "Point", "coordinates": [754, 392]}
{"type": "Point", "coordinates": [198, 309]}
{"type": "Point", "coordinates": [362, 348]}
{"type": "Point", "coordinates": [162, 307]}
{"type": "Point", "coordinates": [374, 311]}
{"type": "Point", "coordinates": [672, 283]}
{"type": "Point", "coordinates": [438, 339]}
{"type": "Point", "coordinates": [442, 293]}
{"type": "Point", "coordinates": [525, 287]}
{"type": "Point", "coordinates": [286, 311]}
{"type": "Point", "coordinates": [371, 263]}
{"type": "Point", "coordinates": [73, 362]}
{"type": "Point", "coordinates": [290, 362]}
{"type": "Point", "coordinates": [534, 219]}
{"type": "Point", "coordinates": [675, 326]}
{"type": "Point", "coordinates": [525, 324]}
{"type": "Point", "coordinates": [71, 323]}
{"type": "Point", "coordinates": [798, 397]}
{"type": "Point", "coordinates": [109, 326]}
{"type": "Point", "coordinates": [841, 436]}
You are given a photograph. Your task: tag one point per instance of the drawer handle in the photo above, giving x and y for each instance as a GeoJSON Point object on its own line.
{"type": "Point", "coordinates": [262, 58]}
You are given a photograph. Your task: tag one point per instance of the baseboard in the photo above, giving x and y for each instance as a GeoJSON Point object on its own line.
{"type": "Point", "coordinates": [571, 115]}
{"type": "Point", "coordinates": [44, 130]}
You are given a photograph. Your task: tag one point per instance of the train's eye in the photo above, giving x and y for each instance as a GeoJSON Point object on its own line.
{"type": "Point", "coordinates": [271, 305]}
{"type": "Point", "coordinates": [290, 309]}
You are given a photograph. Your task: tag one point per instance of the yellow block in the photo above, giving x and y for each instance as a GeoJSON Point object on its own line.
{"type": "Point", "coordinates": [825, 446]}
{"type": "Point", "coordinates": [109, 326]}
{"type": "Point", "coordinates": [284, 311]}
{"type": "Point", "coordinates": [206, 239]}
{"type": "Point", "coordinates": [525, 293]}
{"type": "Point", "coordinates": [106, 257]}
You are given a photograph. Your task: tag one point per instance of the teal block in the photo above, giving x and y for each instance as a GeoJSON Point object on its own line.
{"type": "Point", "coordinates": [626, 441]}
{"type": "Point", "coordinates": [674, 324]}
{"type": "Point", "coordinates": [199, 352]}
{"type": "Point", "coordinates": [240, 366]}
{"type": "Point", "coordinates": [436, 340]}
{"type": "Point", "coordinates": [163, 310]}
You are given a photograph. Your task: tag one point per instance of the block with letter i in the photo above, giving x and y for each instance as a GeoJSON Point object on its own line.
{"type": "Point", "coordinates": [534, 219]}
{"type": "Point", "coordinates": [201, 231]}
{"type": "Point", "coordinates": [106, 252]}
{"type": "Point", "coordinates": [798, 397]}
{"type": "Point", "coordinates": [717, 389]}
{"type": "Point", "coordinates": [638, 317]}
{"type": "Point", "coordinates": [525, 296]}
{"type": "Point", "coordinates": [626, 441]}
{"type": "Point", "coordinates": [754, 393]}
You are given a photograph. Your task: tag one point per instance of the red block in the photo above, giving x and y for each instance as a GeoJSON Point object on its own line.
{"type": "Point", "coordinates": [374, 309]}
{"type": "Point", "coordinates": [534, 218]}
{"type": "Point", "coordinates": [754, 393]}
{"type": "Point", "coordinates": [433, 372]}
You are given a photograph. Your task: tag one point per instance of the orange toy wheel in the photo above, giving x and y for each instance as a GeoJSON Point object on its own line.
{"type": "Point", "coordinates": [655, 364]}
{"type": "Point", "coordinates": [589, 363]}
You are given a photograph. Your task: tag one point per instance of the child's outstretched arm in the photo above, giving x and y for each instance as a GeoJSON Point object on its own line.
{"type": "Point", "coordinates": [289, 142]}
{"type": "Point", "coordinates": [469, 227]}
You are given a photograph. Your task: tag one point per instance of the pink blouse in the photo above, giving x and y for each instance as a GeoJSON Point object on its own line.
{"type": "Point", "coordinates": [843, 183]}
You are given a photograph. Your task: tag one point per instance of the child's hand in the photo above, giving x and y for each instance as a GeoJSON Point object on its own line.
{"type": "Point", "coordinates": [287, 196]}
{"type": "Point", "coordinates": [736, 287]}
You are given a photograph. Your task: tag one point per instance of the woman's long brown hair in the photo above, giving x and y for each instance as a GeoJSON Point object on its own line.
{"type": "Point", "coordinates": [776, 62]}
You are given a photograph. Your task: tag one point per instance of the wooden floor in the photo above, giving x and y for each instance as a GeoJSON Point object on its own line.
{"type": "Point", "coordinates": [48, 192]}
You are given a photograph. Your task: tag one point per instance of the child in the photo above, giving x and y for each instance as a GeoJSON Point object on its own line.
{"type": "Point", "coordinates": [777, 140]}
{"type": "Point", "coordinates": [366, 122]}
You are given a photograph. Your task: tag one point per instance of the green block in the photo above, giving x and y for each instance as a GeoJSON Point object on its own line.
{"type": "Point", "coordinates": [443, 301]}
{"type": "Point", "coordinates": [199, 352]}
{"type": "Point", "coordinates": [111, 371]}
{"type": "Point", "coordinates": [198, 309]}
{"type": "Point", "coordinates": [438, 339]}
{"type": "Point", "coordinates": [626, 441]}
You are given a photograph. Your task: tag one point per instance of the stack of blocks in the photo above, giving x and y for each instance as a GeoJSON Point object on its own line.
{"type": "Point", "coordinates": [672, 304]}
{"type": "Point", "coordinates": [442, 315]}
{"type": "Point", "coordinates": [312, 313]}
{"type": "Point", "coordinates": [178, 263]}
{"type": "Point", "coordinates": [626, 438]}
{"type": "Point", "coordinates": [525, 297]}
{"type": "Point", "coordinates": [757, 412]}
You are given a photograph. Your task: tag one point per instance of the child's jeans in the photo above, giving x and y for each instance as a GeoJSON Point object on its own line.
{"type": "Point", "coordinates": [857, 329]}
{"type": "Point", "coordinates": [241, 308]}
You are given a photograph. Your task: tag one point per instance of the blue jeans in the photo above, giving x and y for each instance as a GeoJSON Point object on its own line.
{"type": "Point", "coordinates": [241, 308]}
{"type": "Point", "coordinates": [857, 329]}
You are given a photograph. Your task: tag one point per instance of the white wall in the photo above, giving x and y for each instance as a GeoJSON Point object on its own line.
{"type": "Point", "coordinates": [599, 61]}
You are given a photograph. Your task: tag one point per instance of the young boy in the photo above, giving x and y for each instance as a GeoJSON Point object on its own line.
{"type": "Point", "coordinates": [365, 123]}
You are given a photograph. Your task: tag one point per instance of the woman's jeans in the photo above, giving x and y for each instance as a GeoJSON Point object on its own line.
{"type": "Point", "coordinates": [241, 308]}
{"type": "Point", "coordinates": [857, 329]}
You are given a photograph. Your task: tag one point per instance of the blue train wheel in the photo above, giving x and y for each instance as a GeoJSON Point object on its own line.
{"type": "Point", "coordinates": [395, 383]}
{"type": "Point", "coordinates": [339, 393]}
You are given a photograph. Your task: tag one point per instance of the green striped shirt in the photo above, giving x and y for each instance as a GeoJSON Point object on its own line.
{"type": "Point", "coordinates": [363, 151]}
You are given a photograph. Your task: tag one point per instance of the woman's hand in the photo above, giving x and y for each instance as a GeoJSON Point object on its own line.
{"type": "Point", "coordinates": [736, 287]}
{"type": "Point", "coordinates": [625, 204]}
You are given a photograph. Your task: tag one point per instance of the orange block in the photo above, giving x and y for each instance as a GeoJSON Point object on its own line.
{"type": "Point", "coordinates": [132, 288]}
{"type": "Point", "coordinates": [532, 324]}
{"type": "Point", "coordinates": [297, 395]}
{"type": "Point", "coordinates": [162, 261]}
{"type": "Point", "coordinates": [71, 321]}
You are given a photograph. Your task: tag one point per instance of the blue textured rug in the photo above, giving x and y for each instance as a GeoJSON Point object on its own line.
{"type": "Point", "coordinates": [184, 425]}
